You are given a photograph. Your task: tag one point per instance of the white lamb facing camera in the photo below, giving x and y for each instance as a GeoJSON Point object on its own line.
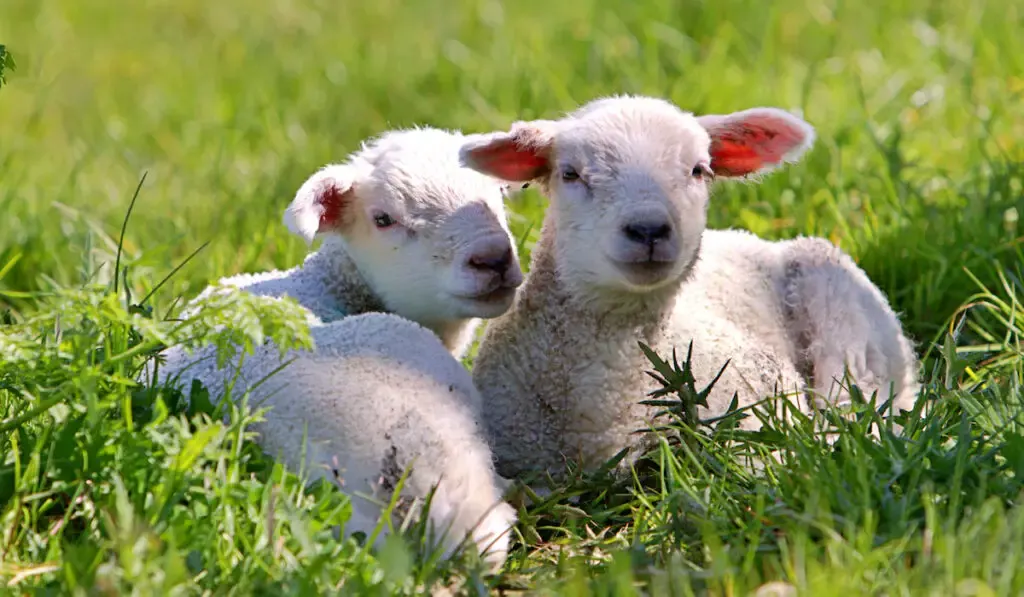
{"type": "Point", "coordinates": [624, 256]}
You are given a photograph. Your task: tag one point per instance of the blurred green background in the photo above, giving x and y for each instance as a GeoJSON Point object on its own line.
{"type": "Point", "coordinates": [230, 105]}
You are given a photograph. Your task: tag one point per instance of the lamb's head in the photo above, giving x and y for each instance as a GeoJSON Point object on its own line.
{"type": "Point", "coordinates": [629, 177]}
{"type": "Point", "coordinates": [428, 235]}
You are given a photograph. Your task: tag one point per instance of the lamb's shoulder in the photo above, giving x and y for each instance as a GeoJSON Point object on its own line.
{"type": "Point", "coordinates": [735, 268]}
{"type": "Point", "coordinates": [303, 283]}
{"type": "Point", "coordinates": [268, 283]}
{"type": "Point", "coordinates": [739, 278]}
{"type": "Point", "coordinates": [396, 350]}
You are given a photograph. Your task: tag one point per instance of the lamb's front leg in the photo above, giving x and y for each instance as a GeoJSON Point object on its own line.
{"type": "Point", "coordinates": [839, 320]}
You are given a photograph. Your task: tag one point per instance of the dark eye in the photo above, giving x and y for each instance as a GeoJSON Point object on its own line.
{"type": "Point", "coordinates": [383, 220]}
{"type": "Point", "coordinates": [569, 174]}
{"type": "Point", "coordinates": [702, 171]}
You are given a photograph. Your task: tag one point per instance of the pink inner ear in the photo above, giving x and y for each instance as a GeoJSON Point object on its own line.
{"type": "Point", "coordinates": [506, 160]}
{"type": "Point", "coordinates": [730, 158]}
{"type": "Point", "coordinates": [333, 203]}
{"type": "Point", "coordinates": [756, 142]}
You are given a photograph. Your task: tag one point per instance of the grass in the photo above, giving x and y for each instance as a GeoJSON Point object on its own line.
{"type": "Point", "coordinates": [6, 64]}
{"type": "Point", "coordinates": [227, 107]}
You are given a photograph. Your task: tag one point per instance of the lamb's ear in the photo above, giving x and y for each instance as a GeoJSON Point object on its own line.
{"type": "Point", "coordinates": [519, 155]}
{"type": "Point", "coordinates": [755, 140]}
{"type": "Point", "coordinates": [323, 203]}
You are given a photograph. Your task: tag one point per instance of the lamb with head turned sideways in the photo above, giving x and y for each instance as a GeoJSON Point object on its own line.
{"type": "Point", "coordinates": [416, 250]}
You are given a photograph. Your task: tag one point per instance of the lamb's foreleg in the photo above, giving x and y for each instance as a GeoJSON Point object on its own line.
{"type": "Point", "coordinates": [841, 322]}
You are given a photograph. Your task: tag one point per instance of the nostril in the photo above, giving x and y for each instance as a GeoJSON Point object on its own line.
{"type": "Point", "coordinates": [662, 232]}
{"type": "Point", "coordinates": [634, 233]}
{"type": "Point", "coordinates": [647, 233]}
{"type": "Point", "coordinates": [505, 262]}
{"type": "Point", "coordinates": [499, 264]}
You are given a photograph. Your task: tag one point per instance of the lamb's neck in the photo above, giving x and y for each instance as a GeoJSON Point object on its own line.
{"type": "Point", "coordinates": [348, 286]}
{"type": "Point", "coordinates": [343, 280]}
{"type": "Point", "coordinates": [455, 334]}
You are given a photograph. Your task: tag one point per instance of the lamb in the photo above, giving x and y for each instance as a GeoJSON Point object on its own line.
{"type": "Point", "coordinates": [623, 256]}
{"type": "Point", "coordinates": [416, 249]}
{"type": "Point", "coordinates": [405, 230]}
{"type": "Point", "coordinates": [381, 395]}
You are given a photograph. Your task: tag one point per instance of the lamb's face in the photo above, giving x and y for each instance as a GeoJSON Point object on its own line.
{"type": "Point", "coordinates": [435, 242]}
{"type": "Point", "coordinates": [633, 185]}
{"type": "Point", "coordinates": [629, 177]}
{"type": "Point", "coordinates": [429, 235]}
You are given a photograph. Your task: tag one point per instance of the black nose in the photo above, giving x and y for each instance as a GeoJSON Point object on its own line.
{"type": "Point", "coordinates": [499, 264]}
{"type": "Point", "coordinates": [646, 232]}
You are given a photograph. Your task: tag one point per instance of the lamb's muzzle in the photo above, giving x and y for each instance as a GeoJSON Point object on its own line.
{"type": "Point", "coordinates": [646, 249]}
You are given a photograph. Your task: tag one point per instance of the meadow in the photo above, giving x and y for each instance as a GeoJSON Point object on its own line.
{"type": "Point", "coordinates": [205, 117]}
